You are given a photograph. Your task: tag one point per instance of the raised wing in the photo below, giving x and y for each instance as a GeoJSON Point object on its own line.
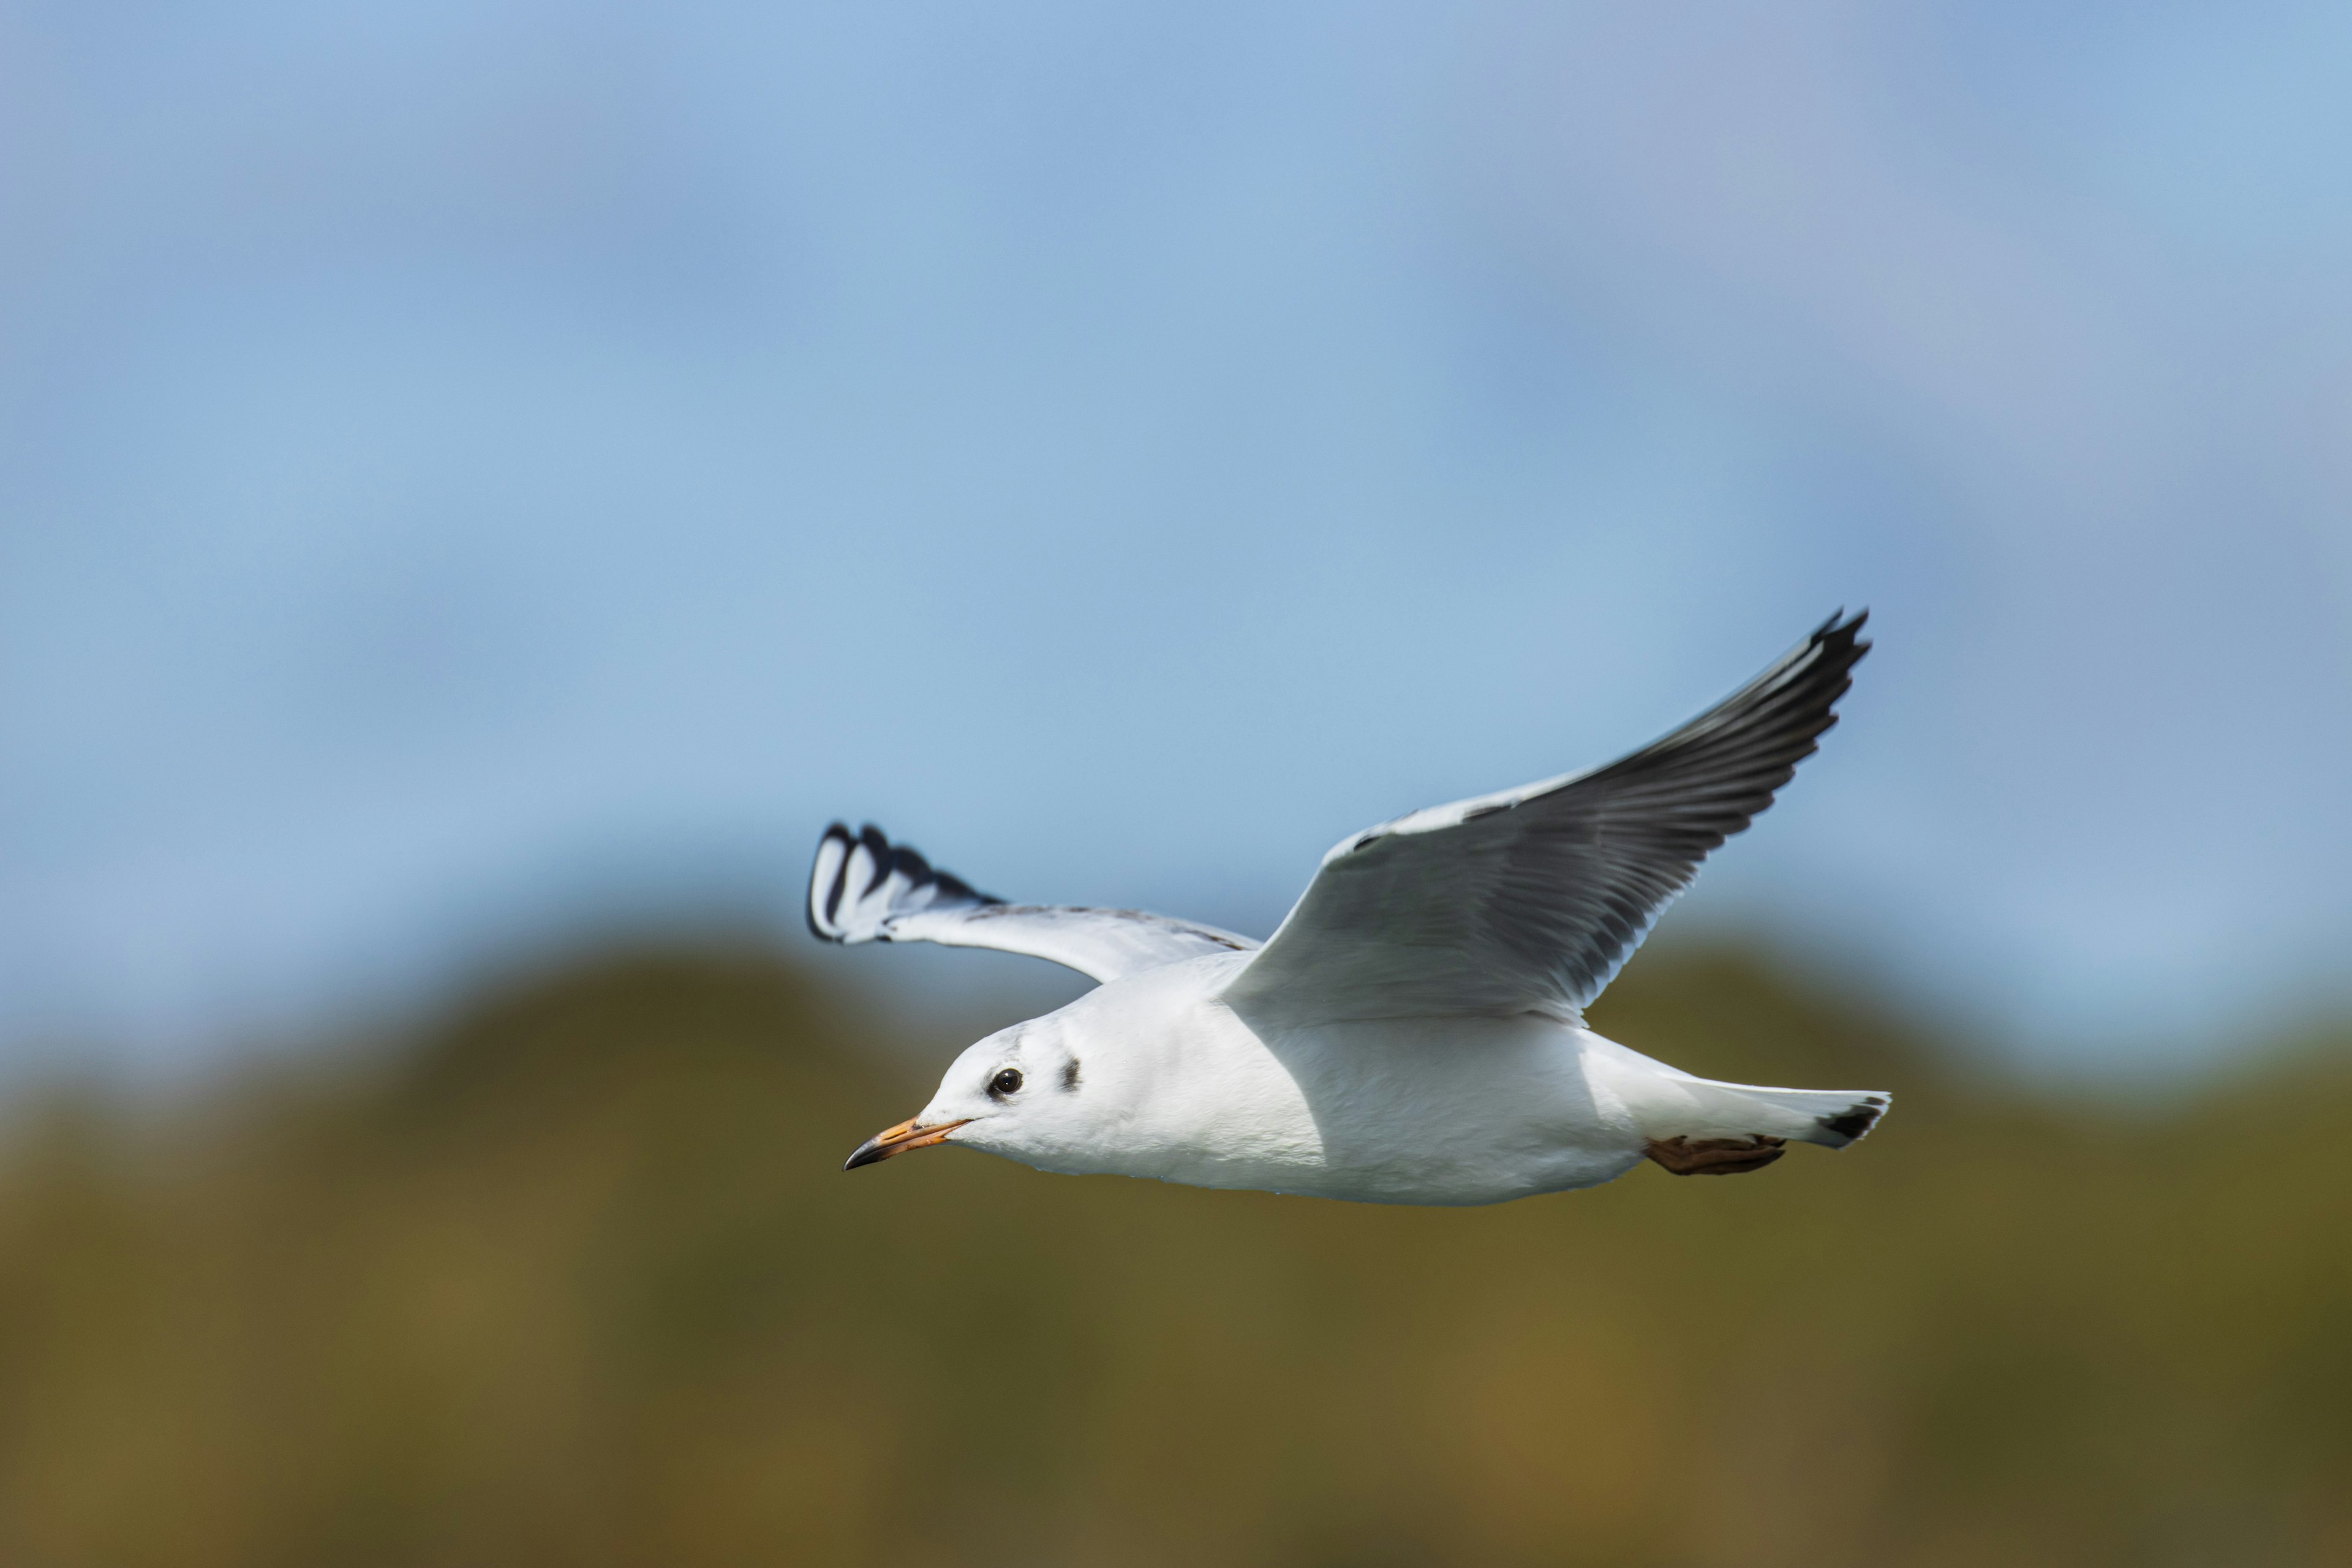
{"type": "Point", "coordinates": [1531, 901]}
{"type": "Point", "coordinates": [864, 887]}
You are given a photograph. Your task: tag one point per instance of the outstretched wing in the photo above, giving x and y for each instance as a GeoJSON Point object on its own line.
{"type": "Point", "coordinates": [864, 887]}
{"type": "Point", "coordinates": [1531, 901]}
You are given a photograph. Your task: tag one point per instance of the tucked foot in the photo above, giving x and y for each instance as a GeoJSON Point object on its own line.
{"type": "Point", "coordinates": [1714, 1156]}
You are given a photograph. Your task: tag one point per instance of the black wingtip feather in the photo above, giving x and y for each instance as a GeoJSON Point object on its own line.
{"type": "Point", "coordinates": [827, 894]}
{"type": "Point", "coordinates": [835, 833]}
{"type": "Point", "coordinates": [1845, 631]}
{"type": "Point", "coordinates": [956, 886]}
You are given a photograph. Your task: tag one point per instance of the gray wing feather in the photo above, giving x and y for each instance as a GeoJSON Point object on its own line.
{"type": "Point", "coordinates": [1531, 899]}
{"type": "Point", "coordinates": [863, 888]}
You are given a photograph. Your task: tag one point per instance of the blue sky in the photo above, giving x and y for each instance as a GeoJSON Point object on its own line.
{"type": "Point", "coordinates": [471, 473]}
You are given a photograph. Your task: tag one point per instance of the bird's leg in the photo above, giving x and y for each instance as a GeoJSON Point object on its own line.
{"type": "Point", "coordinates": [1714, 1156]}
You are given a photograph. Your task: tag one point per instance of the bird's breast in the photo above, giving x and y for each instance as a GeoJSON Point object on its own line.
{"type": "Point", "coordinates": [1419, 1110]}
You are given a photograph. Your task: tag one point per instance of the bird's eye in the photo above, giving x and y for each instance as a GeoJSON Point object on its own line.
{"type": "Point", "coordinates": [1005, 1082]}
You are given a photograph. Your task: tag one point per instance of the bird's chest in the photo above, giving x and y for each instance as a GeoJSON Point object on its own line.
{"type": "Point", "coordinates": [1381, 1112]}
{"type": "Point", "coordinates": [1223, 1111]}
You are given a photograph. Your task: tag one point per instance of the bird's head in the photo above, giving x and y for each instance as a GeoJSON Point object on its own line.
{"type": "Point", "coordinates": [1022, 1093]}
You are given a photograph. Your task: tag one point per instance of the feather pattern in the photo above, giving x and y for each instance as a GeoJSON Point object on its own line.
{"type": "Point", "coordinates": [1531, 899]}
{"type": "Point", "coordinates": [863, 888]}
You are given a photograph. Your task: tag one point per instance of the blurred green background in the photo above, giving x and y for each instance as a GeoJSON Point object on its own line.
{"type": "Point", "coordinates": [571, 1276]}
{"type": "Point", "coordinates": [481, 485]}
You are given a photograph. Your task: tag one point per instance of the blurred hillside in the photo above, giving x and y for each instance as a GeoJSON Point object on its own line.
{"type": "Point", "coordinates": [573, 1277]}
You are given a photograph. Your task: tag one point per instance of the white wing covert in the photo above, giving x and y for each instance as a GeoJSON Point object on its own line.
{"type": "Point", "coordinates": [1531, 899]}
{"type": "Point", "coordinates": [863, 888]}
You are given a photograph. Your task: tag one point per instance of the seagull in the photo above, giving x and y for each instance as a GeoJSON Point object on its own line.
{"type": "Point", "coordinates": [1414, 1032]}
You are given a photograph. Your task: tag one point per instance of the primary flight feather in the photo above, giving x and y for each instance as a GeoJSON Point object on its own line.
{"type": "Point", "coordinates": [1414, 1032]}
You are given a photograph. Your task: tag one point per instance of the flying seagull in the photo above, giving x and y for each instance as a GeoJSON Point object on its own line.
{"type": "Point", "coordinates": [1414, 1032]}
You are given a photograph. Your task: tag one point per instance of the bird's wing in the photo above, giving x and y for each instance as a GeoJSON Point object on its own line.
{"type": "Point", "coordinates": [864, 887]}
{"type": "Point", "coordinates": [1531, 899]}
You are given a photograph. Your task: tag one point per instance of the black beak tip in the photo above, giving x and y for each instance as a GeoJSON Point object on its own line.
{"type": "Point", "coordinates": [869, 1152]}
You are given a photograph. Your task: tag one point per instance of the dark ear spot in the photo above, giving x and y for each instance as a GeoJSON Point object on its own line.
{"type": "Point", "coordinates": [1070, 1073]}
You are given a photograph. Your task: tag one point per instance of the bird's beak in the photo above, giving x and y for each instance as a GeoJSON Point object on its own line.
{"type": "Point", "coordinates": [899, 1140]}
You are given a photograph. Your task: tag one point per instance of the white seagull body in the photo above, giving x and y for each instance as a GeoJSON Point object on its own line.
{"type": "Point", "coordinates": [1414, 1031]}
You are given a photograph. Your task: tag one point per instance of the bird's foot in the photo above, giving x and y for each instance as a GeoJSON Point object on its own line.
{"type": "Point", "coordinates": [1714, 1156]}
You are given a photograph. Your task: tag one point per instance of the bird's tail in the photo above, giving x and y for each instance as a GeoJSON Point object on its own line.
{"type": "Point", "coordinates": [1695, 1126]}
{"type": "Point", "coordinates": [1832, 1118]}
